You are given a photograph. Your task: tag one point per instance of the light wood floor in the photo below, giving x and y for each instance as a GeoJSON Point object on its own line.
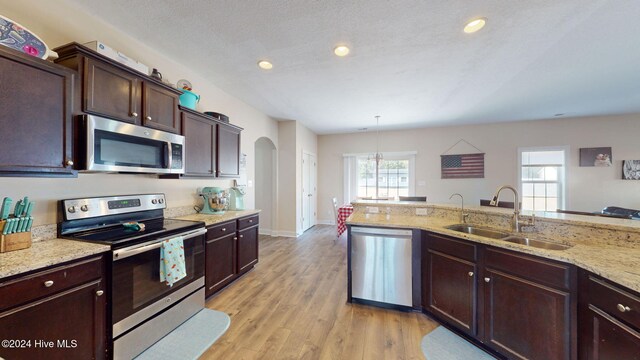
{"type": "Point", "coordinates": [293, 306]}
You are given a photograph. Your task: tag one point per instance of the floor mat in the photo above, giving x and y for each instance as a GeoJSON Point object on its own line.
{"type": "Point", "coordinates": [191, 339]}
{"type": "Point", "coordinates": [442, 344]}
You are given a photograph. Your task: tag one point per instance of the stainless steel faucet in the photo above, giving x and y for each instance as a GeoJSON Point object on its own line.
{"type": "Point", "coordinates": [516, 224]}
{"type": "Point", "coordinates": [463, 216]}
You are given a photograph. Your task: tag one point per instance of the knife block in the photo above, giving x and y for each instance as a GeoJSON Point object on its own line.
{"type": "Point", "coordinates": [16, 241]}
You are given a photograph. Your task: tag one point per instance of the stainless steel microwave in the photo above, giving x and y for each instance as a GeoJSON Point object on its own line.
{"type": "Point", "coordinates": [115, 146]}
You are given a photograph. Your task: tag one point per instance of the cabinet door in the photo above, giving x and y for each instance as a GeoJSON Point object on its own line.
{"type": "Point", "coordinates": [451, 290]}
{"type": "Point", "coordinates": [607, 338]}
{"type": "Point", "coordinates": [68, 325]}
{"type": "Point", "coordinates": [526, 320]}
{"type": "Point", "coordinates": [220, 263]}
{"type": "Point", "coordinates": [160, 108]}
{"type": "Point", "coordinates": [247, 249]}
{"type": "Point", "coordinates": [111, 92]}
{"type": "Point", "coordinates": [228, 151]}
{"type": "Point", "coordinates": [200, 145]}
{"type": "Point", "coordinates": [35, 117]}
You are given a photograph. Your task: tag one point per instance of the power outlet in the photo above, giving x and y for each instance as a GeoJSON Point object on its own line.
{"type": "Point", "coordinates": [421, 211]}
{"type": "Point", "coordinates": [373, 210]}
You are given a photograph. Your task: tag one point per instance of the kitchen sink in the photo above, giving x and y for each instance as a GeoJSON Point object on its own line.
{"type": "Point", "coordinates": [505, 236]}
{"type": "Point", "coordinates": [470, 229]}
{"type": "Point", "coordinates": [535, 243]}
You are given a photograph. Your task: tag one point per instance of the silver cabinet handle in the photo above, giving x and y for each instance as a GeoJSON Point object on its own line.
{"type": "Point", "coordinates": [224, 229]}
{"type": "Point", "coordinates": [235, 238]}
{"type": "Point", "coordinates": [487, 279]}
{"type": "Point", "coordinates": [69, 163]}
{"type": "Point", "coordinates": [470, 273]}
{"type": "Point", "coordinates": [241, 236]}
{"type": "Point", "coordinates": [251, 221]}
{"type": "Point", "coordinates": [134, 114]}
{"type": "Point", "coordinates": [99, 292]}
{"type": "Point", "coordinates": [48, 283]}
{"type": "Point", "coordinates": [623, 308]}
{"type": "Point", "coordinates": [149, 118]}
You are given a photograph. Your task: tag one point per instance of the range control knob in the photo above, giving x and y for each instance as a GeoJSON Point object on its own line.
{"type": "Point", "coordinates": [84, 208]}
{"type": "Point", "coordinates": [161, 200]}
{"type": "Point", "coordinates": [154, 201]}
{"type": "Point", "coordinates": [71, 209]}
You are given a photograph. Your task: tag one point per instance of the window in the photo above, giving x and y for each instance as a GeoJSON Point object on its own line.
{"type": "Point", "coordinates": [542, 178]}
{"type": "Point", "coordinates": [394, 178]}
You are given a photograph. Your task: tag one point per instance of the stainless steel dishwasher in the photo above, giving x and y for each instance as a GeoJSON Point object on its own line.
{"type": "Point", "coordinates": [381, 265]}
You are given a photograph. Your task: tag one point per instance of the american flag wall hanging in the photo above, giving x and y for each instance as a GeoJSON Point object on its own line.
{"type": "Point", "coordinates": [463, 166]}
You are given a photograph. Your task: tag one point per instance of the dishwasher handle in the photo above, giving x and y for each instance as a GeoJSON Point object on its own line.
{"type": "Point", "coordinates": [381, 231]}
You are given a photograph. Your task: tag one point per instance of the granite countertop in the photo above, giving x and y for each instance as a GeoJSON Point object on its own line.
{"type": "Point", "coordinates": [216, 218]}
{"type": "Point", "coordinates": [46, 253]}
{"type": "Point", "coordinates": [618, 264]}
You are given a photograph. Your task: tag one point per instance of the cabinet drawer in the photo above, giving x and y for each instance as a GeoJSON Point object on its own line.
{"type": "Point", "coordinates": [530, 267]}
{"type": "Point", "coordinates": [615, 301]}
{"type": "Point", "coordinates": [219, 230]}
{"type": "Point", "coordinates": [247, 222]}
{"type": "Point", "coordinates": [453, 247]}
{"type": "Point", "coordinates": [44, 283]}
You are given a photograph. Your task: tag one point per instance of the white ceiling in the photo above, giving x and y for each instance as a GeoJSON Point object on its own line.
{"type": "Point", "coordinates": [410, 61]}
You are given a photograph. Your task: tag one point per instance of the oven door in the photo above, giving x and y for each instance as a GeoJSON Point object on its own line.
{"type": "Point", "coordinates": [114, 146]}
{"type": "Point", "coordinates": [138, 294]}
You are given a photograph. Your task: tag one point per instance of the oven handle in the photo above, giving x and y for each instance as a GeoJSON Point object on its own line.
{"type": "Point", "coordinates": [135, 250]}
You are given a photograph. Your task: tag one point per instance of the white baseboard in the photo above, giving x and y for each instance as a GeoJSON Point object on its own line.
{"type": "Point", "coordinates": [267, 232]}
{"type": "Point", "coordinates": [291, 234]}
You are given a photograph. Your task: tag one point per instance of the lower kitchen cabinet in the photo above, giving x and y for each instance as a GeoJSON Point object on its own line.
{"type": "Point", "coordinates": [247, 248]}
{"type": "Point", "coordinates": [519, 306]}
{"type": "Point", "coordinates": [232, 250]}
{"type": "Point", "coordinates": [609, 320]}
{"type": "Point", "coordinates": [451, 282]}
{"type": "Point", "coordinates": [58, 313]}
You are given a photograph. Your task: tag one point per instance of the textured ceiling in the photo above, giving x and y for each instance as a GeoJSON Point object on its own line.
{"type": "Point", "coordinates": [410, 61]}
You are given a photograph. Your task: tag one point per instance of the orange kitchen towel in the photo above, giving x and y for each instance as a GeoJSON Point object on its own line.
{"type": "Point", "coordinates": [172, 262]}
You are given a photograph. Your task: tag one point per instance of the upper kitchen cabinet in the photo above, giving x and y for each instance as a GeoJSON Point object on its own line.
{"type": "Point", "coordinates": [113, 90]}
{"type": "Point", "coordinates": [212, 148]}
{"type": "Point", "coordinates": [35, 118]}
{"type": "Point", "coordinates": [228, 150]}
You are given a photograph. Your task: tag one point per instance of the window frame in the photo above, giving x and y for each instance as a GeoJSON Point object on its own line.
{"type": "Point", "coordinates": [562, 177]}
{"type": "Point", "coordinates": [350, 191]}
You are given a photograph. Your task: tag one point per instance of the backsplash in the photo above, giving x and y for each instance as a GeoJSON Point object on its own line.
{"type": "Point", "coordinates": [574, 229]}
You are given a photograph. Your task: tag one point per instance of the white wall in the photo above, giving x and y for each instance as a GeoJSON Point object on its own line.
{"type": "Point", "coordinates": [265, 184]}
{"type": "Point", "coordinates": [588, 188]}
{"type": "Point", "coordinates": [306, 141]}
{"type": "Point", "coordinates": [58, 23]}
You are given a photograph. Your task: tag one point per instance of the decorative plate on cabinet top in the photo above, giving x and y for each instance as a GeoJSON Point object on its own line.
{"type": "Point", "coordinates": [19, 38]}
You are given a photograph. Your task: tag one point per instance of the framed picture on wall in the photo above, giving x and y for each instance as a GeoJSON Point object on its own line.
{"type": "Point", "coordinates": [631, 170]}
{"type": "Point", "coordinates": [600, 156]}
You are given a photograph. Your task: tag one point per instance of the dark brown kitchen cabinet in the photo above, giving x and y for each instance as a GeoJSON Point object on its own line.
{"type": "Point", "coordinates": [232, 250]}
{"type": "Point", "coordinates": [35, 117]}
{"type": "Point", "coordinates": [519, 306]}
{"type": "Point", "coordinates": [200, 144]}
{"type": "Point", "coordinates": [58, 313]}
{"type": "Point", "coordinates": [529, 306]}
{"type": "Point", "coordinates": [247, 248]}
{"type": "Point", "coordinates": [228, 154]}
{"type": "Point", "coordinates": [451, 282]}
{"type": "Point", "coordinates": [111, 92]}
{"type": "Point", "coordinates": [221, 256]}
{"type": "Point", "coordinates": [609, 320]}
{"type": "Point", "coordinates": [160, 108]}
{"type": "Point", "coordinates": [115, 91]}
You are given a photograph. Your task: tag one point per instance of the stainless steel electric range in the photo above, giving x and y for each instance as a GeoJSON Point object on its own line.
{"type": "Point", "coordinates": [142, 308]}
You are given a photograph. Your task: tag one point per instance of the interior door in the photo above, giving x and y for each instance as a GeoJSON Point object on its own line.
{"type": "Point", "coordinates": [308, 191]}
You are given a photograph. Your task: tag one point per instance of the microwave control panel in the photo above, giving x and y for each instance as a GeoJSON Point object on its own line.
{"type": "Point", "coordinates": [176, 154]}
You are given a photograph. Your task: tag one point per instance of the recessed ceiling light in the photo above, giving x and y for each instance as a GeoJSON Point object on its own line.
{"type": "Point", "coordinates": [475, 25]}
{"type": "Point", "coordinates": [341, 50]}
{"type": "Point", "coordinates": [265, 65]}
